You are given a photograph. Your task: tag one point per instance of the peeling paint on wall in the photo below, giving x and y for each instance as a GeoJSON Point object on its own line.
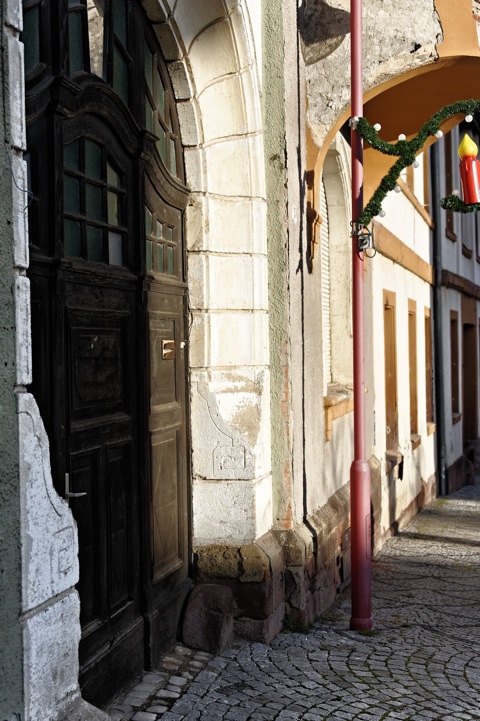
{"type": "Point", "coordinates": [398, 36]}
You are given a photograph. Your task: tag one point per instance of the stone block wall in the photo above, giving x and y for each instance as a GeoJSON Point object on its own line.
{"type": "Point", "coordinates": [287, 577]}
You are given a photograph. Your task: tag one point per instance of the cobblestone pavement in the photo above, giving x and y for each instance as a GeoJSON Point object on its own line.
{"type": "Point", "coordinates": [420, 662]}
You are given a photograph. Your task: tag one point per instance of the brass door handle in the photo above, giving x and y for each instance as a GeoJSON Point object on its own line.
{"type": "Point", "coordinates": [168, 349]}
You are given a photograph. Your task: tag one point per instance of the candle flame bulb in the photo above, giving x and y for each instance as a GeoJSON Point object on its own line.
{"type": "Point", "coordinates": [467, 148]}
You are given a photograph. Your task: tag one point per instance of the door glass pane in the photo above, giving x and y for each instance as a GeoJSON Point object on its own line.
{"type": "Point", "coordinates": [170, 265]}
{"type": "Point", "coordinates": [160, 95]}
{"type": "Point", "coordinates": [112, 208]}
{"type": "Point", "coordinates": [70, 156]}
{"type": "Point", "coordinates": [120, 75]}
{"type": "Point", "coordinates": [149, 259]}
{"type": "Point", "coordinates": [148, 64]}
{"type": "Point", "coordinates": [93, 160]}
{"type": "Point", "coordinates": [72, 238]}
{"type": "Point", "coordinates": [115, 248]}
{"type": "Point", "coordinates": [31, 38]}
{"type": "Point", "coordinates": [112, 176]}
{"type": "Point", "coordinates": [94, 243]}
{"type": "Point", "coordinates": [173, 157]}
{"type": "Point", "coordinates": [160, 257]}
{"type": "Point", "coordinates": [149, 116]}
{"type": "Point", "coordinates": [95, 9]}
{"type": "Point", "coordinates": [71, 194]}
{"type": "Point", "coordinates": [94, 208]}
{"type": "Point", "coordinates": [168, 232]}
{"type": "Point", "coordinates": [75, 41]}
{"type": "Point", "coordinates": [120, 21]}
{"type": "Point", "coordinates": [161, 143]}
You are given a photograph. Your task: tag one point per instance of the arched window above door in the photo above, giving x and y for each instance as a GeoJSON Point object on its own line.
{"type": "Point", "coordinates": [110, 42]}
{"type": "Point", "coordinates": [98, 65]}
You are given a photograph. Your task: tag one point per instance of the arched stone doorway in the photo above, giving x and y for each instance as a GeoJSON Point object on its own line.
{"type": "Point", "coordinates": [213, 56]}
{"type": "Point", "coordinates": [108, 276]}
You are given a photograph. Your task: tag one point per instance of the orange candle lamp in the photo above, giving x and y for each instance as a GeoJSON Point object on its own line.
{"type": "Point", "coordinates": [469, 170]}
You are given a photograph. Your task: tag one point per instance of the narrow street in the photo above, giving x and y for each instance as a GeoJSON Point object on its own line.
{"type": "Point", "coordinates": [420, 662]}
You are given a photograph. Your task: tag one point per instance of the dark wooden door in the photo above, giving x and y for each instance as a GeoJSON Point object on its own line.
{"type": "Point", "coordinates": [102, 462]}
{"type": "Point", "coordinates": [108, 284]}
{"type": "Point", "coordinates": [168, 544]}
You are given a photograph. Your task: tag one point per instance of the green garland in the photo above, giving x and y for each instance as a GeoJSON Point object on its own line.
{"type": "Point", "coordinates": [406, 151]}
{"type": "Point", "coordinates": [453, 202]}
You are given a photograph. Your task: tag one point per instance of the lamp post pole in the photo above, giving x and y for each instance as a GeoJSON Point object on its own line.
{"type": "Point", "coordinates": [361, 583]}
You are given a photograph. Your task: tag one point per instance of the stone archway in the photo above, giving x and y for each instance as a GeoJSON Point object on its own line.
{"type": "Point", "coordinates": [215, 73]}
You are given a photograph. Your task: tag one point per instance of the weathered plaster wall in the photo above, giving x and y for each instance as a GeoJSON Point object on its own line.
{"type": "Point", "coordinates": [11, 657]}
{"type": "Point", "coordinates": [278, 298]}
{"type": "Point", "coordinates": [304, 327]}
{"type": "Point", "coordinates": [398, 37]}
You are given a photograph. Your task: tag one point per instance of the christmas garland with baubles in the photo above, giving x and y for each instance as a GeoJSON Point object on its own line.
{"type": "Point", "coordinates": [406, 152]}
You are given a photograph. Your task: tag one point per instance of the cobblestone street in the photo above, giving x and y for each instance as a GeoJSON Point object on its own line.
{"type": "Point", "coordinates": [421, 661]}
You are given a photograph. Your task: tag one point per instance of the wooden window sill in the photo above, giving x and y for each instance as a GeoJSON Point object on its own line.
{"type": "Point", "coordinates": [415, 440]}
{"type": "Point", "coordinates": [335, 406]}
{"type": "Point", "coordinates": [392, 458]}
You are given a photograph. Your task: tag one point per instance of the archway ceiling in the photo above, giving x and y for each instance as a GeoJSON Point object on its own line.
{"type": "Point", "coordinates": [404, 105]}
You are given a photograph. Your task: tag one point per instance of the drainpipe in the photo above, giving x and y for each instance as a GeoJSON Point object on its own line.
{"type": "Point", "coordinates": [361, 583]}
{"type": "Point", "coordinates": [438, 319]}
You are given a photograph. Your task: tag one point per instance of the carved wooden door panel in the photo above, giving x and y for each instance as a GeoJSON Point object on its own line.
{"type": "Point", "coordinates": [167, 421]}
{"type": "Point", "coordinates": [102, 463]}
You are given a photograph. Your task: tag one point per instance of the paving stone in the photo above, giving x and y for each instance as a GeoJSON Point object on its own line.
{"type": "Point", "coordinates": [420, 662]}
{"type": "Point", "coordinates": [157, 709]}
{"type": "Point", "coordinates": [125, 707]}
{"type": "Point", "coordinates": [154, 677]}
{"type": "Point", "coordinates": [163, 693]}
{"type": "Point", "coordinates": [177, 681]}
{"type": "Point", "coordinates": [135, 701]}
{"type": "Point", "coordinates": [144, 716]}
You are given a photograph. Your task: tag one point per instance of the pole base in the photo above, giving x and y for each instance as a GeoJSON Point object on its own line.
{"type": "Point", "coordinates": [361, 624]}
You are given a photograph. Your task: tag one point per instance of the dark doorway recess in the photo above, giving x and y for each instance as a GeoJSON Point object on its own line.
{"type": "Point", "coordinates": [107, 273]}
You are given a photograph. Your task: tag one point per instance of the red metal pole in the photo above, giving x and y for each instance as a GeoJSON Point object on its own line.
{"type": "Point", "coordinates": [360, 471]}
